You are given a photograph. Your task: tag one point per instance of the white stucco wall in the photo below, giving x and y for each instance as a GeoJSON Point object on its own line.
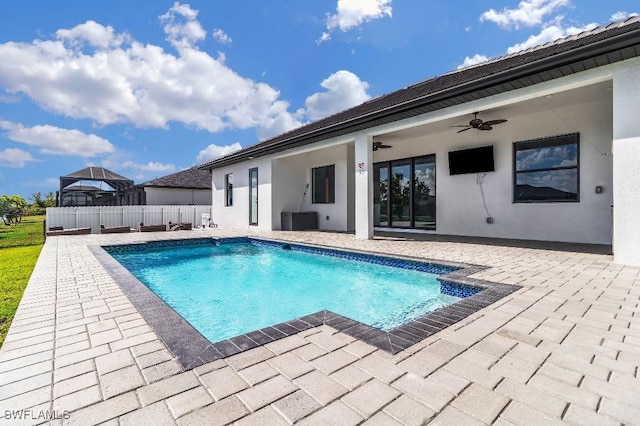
{"type": "Point", "coordinates": [290, 176]}
{"type": "Point", "coordinates": [626, 172]}
{"type": "Point", "coordinates": [351, 188]}
{"type": "Point", "coordinates": [237, 216]}
{"type": "Point", "coordinates": [459, 208]}
{"type": "Point", "coordinates": [177, 196]}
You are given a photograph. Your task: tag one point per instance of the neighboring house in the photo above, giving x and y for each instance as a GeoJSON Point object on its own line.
{"type": "Point", "coordinates": [187, 187]}
{"type": "Point", "coordinates": [567, 153]}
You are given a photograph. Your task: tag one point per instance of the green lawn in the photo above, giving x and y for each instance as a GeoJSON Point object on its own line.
{"type": "Point", "coordinates": [26, 233]}
{"type": "Point", "coordinates": [20, 246]}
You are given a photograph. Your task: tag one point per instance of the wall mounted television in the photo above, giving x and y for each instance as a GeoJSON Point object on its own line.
{"type": "Point", "coordinates": [473, 160]}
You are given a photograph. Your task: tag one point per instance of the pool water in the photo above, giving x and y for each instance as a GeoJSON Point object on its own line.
{"type": "Point", "coordinates": [231, 289]}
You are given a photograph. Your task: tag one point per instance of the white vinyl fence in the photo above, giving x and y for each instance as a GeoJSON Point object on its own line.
{"type": "Point", "coordinates": [131, 216]}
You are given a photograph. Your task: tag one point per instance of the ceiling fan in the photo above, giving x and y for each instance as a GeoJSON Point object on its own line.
{"type": "Point", "coordinates": [380, 145]}
{"type": "Point", "coordinates": [478, 124]}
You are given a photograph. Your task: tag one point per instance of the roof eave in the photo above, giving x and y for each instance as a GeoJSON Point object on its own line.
{"type": "Point", "coordinates": [574, 56]}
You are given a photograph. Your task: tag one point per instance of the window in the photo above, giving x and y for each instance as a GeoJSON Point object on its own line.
{"type": "Point", "coordinates": [547, 170]}
{"type": "Point", "coordinates": [228, 189]}
{"type": "Point", "coordinates": [323, 185]}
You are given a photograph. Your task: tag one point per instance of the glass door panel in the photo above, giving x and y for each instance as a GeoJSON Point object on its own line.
{"type": "Point", "coordinates": [400, 193]}
{"type": "Point", "coordinates": [381, 194]}
{"type": "Point", "coordinates": [253, 197]}
{"type": "Point", "coordinates": [424, 192]}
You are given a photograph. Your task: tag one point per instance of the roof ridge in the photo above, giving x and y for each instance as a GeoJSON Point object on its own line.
{"type": "Point", "coordinates": [571, 37]}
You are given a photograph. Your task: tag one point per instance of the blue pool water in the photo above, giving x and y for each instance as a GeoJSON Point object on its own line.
{"type": "Point", "coordinates": [231, 289]}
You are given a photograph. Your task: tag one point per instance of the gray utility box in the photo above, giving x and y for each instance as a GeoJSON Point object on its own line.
{"type": "Point", "coordinates": [299, 221]}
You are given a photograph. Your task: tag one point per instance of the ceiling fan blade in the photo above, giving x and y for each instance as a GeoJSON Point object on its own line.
{"type": "Point", "coordinates": [383, 146]}
{"type": "Point", "coordinates": [494, 122]}
{"type": "Point", "coordinates": [464, 130]}
{"type": "Point", "coordinates": [461, 125]}
{"type": "Point", "coordinates": [485, 126]}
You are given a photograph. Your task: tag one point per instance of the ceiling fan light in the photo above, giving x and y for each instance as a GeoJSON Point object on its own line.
{"type": "Point", "coordinates": [479, 124]}
{"type": "Point", "coordinates": [476, 122]}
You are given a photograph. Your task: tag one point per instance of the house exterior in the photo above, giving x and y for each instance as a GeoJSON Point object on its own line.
{"type": "Point", "coordinates": [187, 187]}
{"type": "Point", "coordinates": [562, 167]}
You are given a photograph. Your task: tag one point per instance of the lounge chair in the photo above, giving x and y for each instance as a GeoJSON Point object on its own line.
{"type": "Point", "coordinates": [70, 231]}
{"type": "Point", "coordinates": [182, 226]}
{"type": "Point", "coordinates": [151, 228]}
{"type": "Point", "coordinates": [114, 229]}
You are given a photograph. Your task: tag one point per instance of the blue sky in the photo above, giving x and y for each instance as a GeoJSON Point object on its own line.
{"type": "Point", "coordinates": [154, 88]}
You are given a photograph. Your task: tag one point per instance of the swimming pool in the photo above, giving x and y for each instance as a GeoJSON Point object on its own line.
{"type": "Point", "coordinates": [192, 349]}
{"type": "Point", "coordinates": [233, 287]}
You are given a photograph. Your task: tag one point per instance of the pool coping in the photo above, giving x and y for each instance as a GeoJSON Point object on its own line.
{"type": "Point", "coordinates": [191, 349]}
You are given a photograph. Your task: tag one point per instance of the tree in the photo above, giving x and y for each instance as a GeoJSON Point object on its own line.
{"type": "Point", "coordinates": [50, 199]}
{"type": "Point", "coordinates": [400, 190]}
{"type": "Point", "coordinates": [399, 194]}
{"type": "Point", "coordinates": [43, 201]}
{"type": "Point", "coordinates": [37, 199]}
{"type": "Point", "coordinates": [421, 190]}
{"type": "Point", "coordinates": [11, 208]}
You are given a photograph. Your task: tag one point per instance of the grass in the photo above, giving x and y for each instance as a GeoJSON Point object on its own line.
{"type": "Point", "coordinates": [20, 245]}
{"type": "Point", "coordinates": [29, 232]}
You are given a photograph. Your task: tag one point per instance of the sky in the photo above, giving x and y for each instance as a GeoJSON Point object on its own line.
{"type": "Point", "coordinates": [149, 88]}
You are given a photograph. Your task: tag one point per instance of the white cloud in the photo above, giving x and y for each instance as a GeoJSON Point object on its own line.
{"type": "Point", "coordinates": [182, 27]}
{"type": "Point", "coordinates": [221, 36]}
{"type": "Point", "coordinates": [528, 13]}
{"type": "Point", "coordinates": [114, 79]}
{"type": "Point", "coordinates": [57, 141]}
{"type": "Point", "coordinates": [94, 34]}
{"type": "Point", "coordinates": [215, 151]}
{"type": "Point", "coordinates": [473, 60]}
{"type": "Point", "coordinates": [14, 157]}
{"type": "Point", "coordinates": [353, 13]}
{"type": "Point", "coordinates": [550, 33]}
{"type": "Point", "coordinates": [52, 182]}
{"type": "Point", "coordinates": [9, 99]}
{"type": "Point", "coordinates": [622, 15]}
{"type": "Point", "coordinates": [151, 166]}
{"type": "Point", "coordinates": [325, 36]}
{"type": "Point", "coordinates": [344, 89]}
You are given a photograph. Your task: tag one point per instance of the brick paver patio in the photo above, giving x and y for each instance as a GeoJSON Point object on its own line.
{"type": "Point", "coordinates": [565, 348]}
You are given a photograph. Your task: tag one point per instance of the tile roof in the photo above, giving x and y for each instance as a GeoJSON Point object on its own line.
{"type": "Point", "coordinates": [192, 178]}
{"type": "Point", "coordinates": [438, 92]}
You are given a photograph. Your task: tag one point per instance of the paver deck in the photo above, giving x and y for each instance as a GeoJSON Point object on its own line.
{"type": "Point", "coordinates": [565, 348]}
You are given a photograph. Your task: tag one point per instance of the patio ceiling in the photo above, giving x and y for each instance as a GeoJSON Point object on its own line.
{"type": "Point", "coordinates": [552, 102]}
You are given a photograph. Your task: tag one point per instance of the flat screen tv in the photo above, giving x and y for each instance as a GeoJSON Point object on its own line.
{"type": "Point", "coordinates": [474, 160]}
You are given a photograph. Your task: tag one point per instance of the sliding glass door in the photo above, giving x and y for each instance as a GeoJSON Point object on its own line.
{"type": "Point", "coordinates": [400, 194]}
{"type": "Point", "coordinates": [405, 193]}
{"type": "Point", "coordinates": [424, 193]}
{"type": "Point", "coordinates": [253, 197]}
{"type": "Point", "coordinates": [380, 194]}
